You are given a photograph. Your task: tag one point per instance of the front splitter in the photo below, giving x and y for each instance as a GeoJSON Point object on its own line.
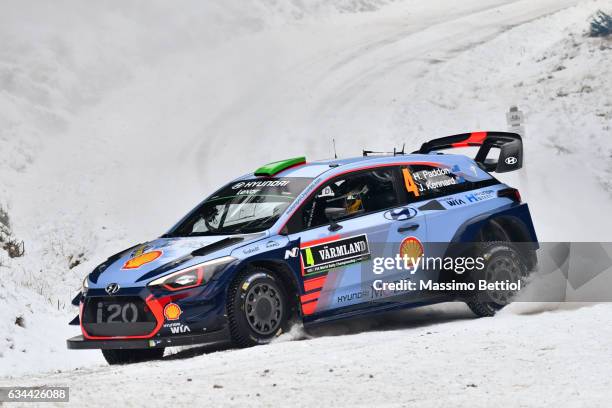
{"type": "Point", "coordinates": [81, 343]}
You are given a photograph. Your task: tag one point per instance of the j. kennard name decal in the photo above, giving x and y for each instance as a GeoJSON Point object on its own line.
{"type": "Point", "coordinates": [334, 254]}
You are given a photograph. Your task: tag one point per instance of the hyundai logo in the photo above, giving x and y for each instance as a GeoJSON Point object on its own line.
{"type": "Point", "coordinates": [112, 288]}
{"type": "Point", "coordinates": [511, 160]}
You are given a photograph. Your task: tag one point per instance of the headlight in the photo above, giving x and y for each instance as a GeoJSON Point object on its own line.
{"type": "Point", "coordinates": [193, 276]}
{"type": "Point", "coordinates": [86, 283]}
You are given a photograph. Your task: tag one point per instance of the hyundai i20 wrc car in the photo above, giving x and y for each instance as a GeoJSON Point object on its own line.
{"type": "Point", "coordinates": [299, 241]}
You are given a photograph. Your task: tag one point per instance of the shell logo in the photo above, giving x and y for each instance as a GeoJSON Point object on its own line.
{"type": "Point", "coordinates": [412, 249]}
{"type": "Point", "coordinates": [140, 260]}
{"type": "Point", "coordinates": [172, 311]}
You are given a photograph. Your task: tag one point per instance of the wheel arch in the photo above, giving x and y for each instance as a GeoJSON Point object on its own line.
{"type": "Point", "coordinates": [515, 225]}
{"type": "Point", "coordinates": [283, 272]}
{"type": "Point", "coordinates": [516, 232]}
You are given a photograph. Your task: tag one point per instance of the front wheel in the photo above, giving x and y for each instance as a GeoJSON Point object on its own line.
{"type": "Point", "coordinates": [257, 307]}
{"type": "Point", "coordinates": [502, 263]}
{"type": "Point", "coordinates": [129, 356]}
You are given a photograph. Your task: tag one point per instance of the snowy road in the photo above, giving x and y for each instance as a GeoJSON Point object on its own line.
{"type": "Point", "coordinates": [427, 358]}
{"type": "Point", "coordinates": [182, 121]}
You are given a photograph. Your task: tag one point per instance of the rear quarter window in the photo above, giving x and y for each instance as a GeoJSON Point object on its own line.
{"type": "Point", "coordinates": [424, 182]}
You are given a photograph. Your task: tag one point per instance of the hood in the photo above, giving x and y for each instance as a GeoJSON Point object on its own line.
{"type": "Point", "coordinates": [137, 265]}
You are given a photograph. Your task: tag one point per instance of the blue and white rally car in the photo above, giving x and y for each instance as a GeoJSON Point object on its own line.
{"type": "Point", "coordinates": [300, 241]}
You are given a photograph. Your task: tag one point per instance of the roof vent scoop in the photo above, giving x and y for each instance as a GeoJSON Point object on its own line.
{"type": "Point", "coordinates": [276, 167]}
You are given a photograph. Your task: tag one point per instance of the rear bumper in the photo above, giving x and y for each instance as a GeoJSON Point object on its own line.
{"type": "Point", "coordinates": [80, 343]}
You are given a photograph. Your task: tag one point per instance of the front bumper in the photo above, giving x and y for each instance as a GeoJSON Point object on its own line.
{"type": "Point", "coordinates": [201, 319]}
{"type": "Point", "coordinates": [80, 343]}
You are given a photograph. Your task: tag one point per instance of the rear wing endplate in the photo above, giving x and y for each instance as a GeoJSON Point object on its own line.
{"type": "Point", "coordinates": [510, 147]}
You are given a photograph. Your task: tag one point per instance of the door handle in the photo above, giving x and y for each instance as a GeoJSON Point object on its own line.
{"type": "Point", "coordinates": [408, 227]}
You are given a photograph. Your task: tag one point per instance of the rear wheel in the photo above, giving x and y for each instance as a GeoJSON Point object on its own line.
{"type": "Point", "coordinates": [129, 356]}
{"type": "Point", "coordinates": [502, 263]}
{"type": "Point", "coordinates": [257, 307]}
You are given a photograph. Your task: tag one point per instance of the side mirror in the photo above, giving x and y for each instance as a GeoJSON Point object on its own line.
{"type": "Point", "coordinates": [333, 214]}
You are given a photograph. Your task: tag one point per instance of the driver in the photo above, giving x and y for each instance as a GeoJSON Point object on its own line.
{"type": "Point", "coordinates": [354, 203]}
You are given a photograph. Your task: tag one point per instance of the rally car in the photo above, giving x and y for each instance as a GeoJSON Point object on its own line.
{"type": "Point", "coordinates": [298, 241]}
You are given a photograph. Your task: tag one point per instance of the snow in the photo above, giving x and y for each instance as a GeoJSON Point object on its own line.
{"type": "Point", "coordinates": [116, 119]}
{"type": "Point", "coordinates": [419, 357]}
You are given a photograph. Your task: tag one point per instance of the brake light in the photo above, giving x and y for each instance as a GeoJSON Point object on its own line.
{"type": "Point", "coordinates": [511, 193]}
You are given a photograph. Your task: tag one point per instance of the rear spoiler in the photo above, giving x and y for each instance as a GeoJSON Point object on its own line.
{"type": "Point", "coordinates": [509, 144]}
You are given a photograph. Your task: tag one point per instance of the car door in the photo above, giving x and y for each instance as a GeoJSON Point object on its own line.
{"type": "Point", "coordinates": [443, 195]}
{"type": "Point", "coordinates": [397, 271]}
{"type": "Point", "coordinates": [342, 228]}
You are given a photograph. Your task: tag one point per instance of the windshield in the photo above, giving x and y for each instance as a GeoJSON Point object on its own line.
{"type": "Point", "coordinates": [242, 207]}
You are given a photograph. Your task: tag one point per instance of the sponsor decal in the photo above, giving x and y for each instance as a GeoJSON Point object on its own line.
{"type": "Point", "coordinates": [172, 311]}
{"type": "Point", "coordinates": [142, 259]}
{"type": "Point", "coordinates": [303, 194]}
{"type": "Point", "coordinates": [177, 328]}
{"type": "Point", "coordinates": [292, 253]}
{"type": "Point", "coordinates": [453, 202]}
{"type": "Point", "coordinates": [400, 214]}
{"type": "Point", "coordinates": [411, 249]}
{"type": "Point", "coordinates": [112, 288]}
{"type": "Point", "coordinates": [469, 198]}
{"type": "Point", "coordinates": [353, 296]}
{"type": "Point", "coordinates": [334, 254]}
{"type": "Point", "coordinates": [251, 250]}
{"type": "Point", "coordinates": [272, 244]}
{"type": "Point", "coordinates": [479, 196]}
{"type": "Point", "coordinates": [140, 250]}
{"type": "Point", "coordinates": [260, 184]}
{"type": "Point", "coordinates": [248, 192]}
{"type": "Point", "coordinates": [511, 160]}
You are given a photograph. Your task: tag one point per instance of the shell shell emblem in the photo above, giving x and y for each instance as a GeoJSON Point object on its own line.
{"type": "Point", "coordinates": [142, 259]}
{"type": "Point", "coordinates": [172, 311]}
{"type": "Point", "coordinates": [412, 249]}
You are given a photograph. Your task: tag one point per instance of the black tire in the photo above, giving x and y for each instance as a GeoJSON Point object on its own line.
{"type": "Point", "coordinates": [502, 261]}
{"type": "Point", "coordinates": [129, 356]}
{"type": "Point", "coordinates": [257, 307]}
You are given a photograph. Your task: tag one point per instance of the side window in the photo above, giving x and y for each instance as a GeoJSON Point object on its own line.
{"type": "Point", "coordinates": [424, 181]}
{"type": "Point", "coordinates": [350, 196]}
